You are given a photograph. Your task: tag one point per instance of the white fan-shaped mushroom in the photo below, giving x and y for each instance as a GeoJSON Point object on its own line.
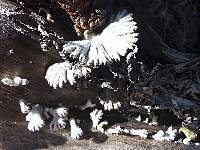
{"type": "Point", "coordinates": [60, 73]}
{"type": "Point", "coordinates": [24, 106]}
{"type": "Point", "coordinates": [76, 131]}
{"type": "Point", "coordinates": [36, 121]}
{"type": "Point", "coordinates": [62, 111]}
{"type": "Point", "coordinates": [113, 42]}
{"type": "Point", "coordinates": [96, 116]}
{"type": "Point", "coordinates": [56, 74]}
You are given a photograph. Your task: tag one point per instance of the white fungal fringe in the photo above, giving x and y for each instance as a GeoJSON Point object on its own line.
{"type": "Point", "coordinates": [113, 42]}
{"type": "Point", "coordinates": [117, 105]}
{"type": "Point", "coordinates": [24, 106]}
{"type": "Point", "coordinates": [169, 135]}
{"type": "Point", "coordinates": [17, 81]}
{"type": "Point", "coordinates": [110, 105]}
{"type": "Point", "coordinates": [36, 121]}
{"type": "Point", "coordinates": [60, 73]}
{"type": "Point", "coordinates": [76, 131]}
{"type": "Point", "coordinates": [96, 116]}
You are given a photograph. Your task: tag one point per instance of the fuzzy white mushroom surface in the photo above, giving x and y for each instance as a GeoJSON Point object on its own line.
{"type": "Point", "coordinates": [61, 111]}
{"type": "Point", "coordinates": [117, 105]}
{"type": "Point", "coordinates": [113, 42]}
{"type": "Point", "coordinates": [76, 131]}
{"type": "Point", "coordinates": [60, 73]}
{"type": "Point", "coordinates": [96, 116]}
{"type": "Point", "coordinates": [110, 105]}
{"type": "Point", "coordinates": [186, 141]}
{"type": "Point", "coordinates": [35, 118]}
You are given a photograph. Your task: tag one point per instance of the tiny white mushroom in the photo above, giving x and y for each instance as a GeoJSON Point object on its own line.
{"type": "Point", "coordinates": [76, 131]}
{"type": "Point", "coordinates": [17, 81]}
{"type": "Point", "coordinates": [108, 105]}
{"type": "Point", "coordinates": [24, 81]}
{"type": "Point", "coordinates": [101, 102]}
{"type": "Point", "coordinates": [117, 105]}
{"type": "Point", "coordinates": [36, 121]}
{"type": "Point", "coordinates": [139, 118]}
{"type": "Point", "coordinates": [8, 81]}
{"type": "Point", "coordinates": [62, 111]}
{"type": "Point", "coordinates": [24, 107]}
{"type": "Point", "coordinates": [146, 120]}
{"type": "Point", "coordinates": [96, 116]}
